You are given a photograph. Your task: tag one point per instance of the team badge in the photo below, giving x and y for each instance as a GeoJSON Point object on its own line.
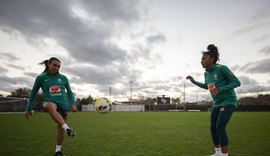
{"type": "Point", "coordinates": [215, 77]}
{"type": "Point", "coordinates": [59, 80]}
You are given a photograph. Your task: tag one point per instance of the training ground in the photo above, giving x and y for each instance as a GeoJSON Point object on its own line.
{"type": "Point", "coordinates": [133, 134]}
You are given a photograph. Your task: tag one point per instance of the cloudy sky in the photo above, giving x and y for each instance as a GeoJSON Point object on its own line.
{"type": "Point", "coordinates": [154, 44]}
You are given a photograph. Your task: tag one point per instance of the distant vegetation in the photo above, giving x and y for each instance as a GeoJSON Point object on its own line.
{"type": "Point", "coordinates": [259, 99]}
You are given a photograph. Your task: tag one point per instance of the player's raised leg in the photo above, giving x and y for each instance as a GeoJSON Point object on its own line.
{"type": "Point", "coordinates": [51, 108]}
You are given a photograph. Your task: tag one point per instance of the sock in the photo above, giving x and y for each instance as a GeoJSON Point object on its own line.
{"type": "Point", "coordinates": [58, 148]}
{"type": "Point", "coordinates": [225, 154]}
{"type": "Point", "coordinates": [65, 127]}
{"type": "Point", "coordinates": [218, 150]}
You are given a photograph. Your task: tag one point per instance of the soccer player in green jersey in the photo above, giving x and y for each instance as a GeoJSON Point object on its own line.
{"type": "Point", "coordinates": [220, 81]}
{"type": "Point", "coordinates": [53, 85]}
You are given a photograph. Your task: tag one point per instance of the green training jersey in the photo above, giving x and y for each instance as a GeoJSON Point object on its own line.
{"type": "Point", "coordinates": [53, 88]}
{"type": "Point", "coordinates": [221, 76]}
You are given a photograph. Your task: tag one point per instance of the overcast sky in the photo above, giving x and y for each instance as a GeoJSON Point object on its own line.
{"type": "Point", "coordinates": [153, 43]}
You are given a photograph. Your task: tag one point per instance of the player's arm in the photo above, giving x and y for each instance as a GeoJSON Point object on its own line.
{"type": "Point", "coordinates": [233, 80]}
{"type": "Point", "coordinates": [71, 96]}
{"type": "Point", "coordinates": [201, 85]}
{"type": "Point", "coordinates": [37, 85]}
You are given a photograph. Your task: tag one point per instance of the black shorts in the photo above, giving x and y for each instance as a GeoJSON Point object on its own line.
{"type": "Point", "coordinates": [62, 112]}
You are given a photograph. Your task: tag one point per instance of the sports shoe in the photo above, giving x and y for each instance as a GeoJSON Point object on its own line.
{"type": "Point", "coordinates": [59, 153]}
{"type": "Point", "coordinates": [216, 154]}
{"type": "Point", "coordinates": [70, 132]}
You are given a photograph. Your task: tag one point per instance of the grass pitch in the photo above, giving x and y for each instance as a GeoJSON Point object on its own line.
{"type": "Point", "coordinates": [133, 134]}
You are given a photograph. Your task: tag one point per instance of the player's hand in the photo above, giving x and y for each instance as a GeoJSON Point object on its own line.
{"type": "Point", "coordinates": [28, 114]}
{"type": "Point", "coordinates": [214, 91]}
{"type": "Point", "coordinates": [74, 109]}
{"type": "Point", "coordinates": [189, 78]}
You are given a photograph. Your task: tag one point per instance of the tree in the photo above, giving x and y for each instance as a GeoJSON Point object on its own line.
{"type": "Point", "coordinates": [85, 101]}
{"type": "Point", "coordinates": [176, 101]}
{"type": "Point", "coordinates": [259, 100]}
{"type": "Point", "coordinates": [247, 101]}
{"type": "Point", "coordinates": [257, 90]}
{"type": "Point", "coordinates": [150, 101]}
{"type": "Point", "coordinates": [21, 93]}
{"type": "Point", "coordinates": [262, 99]}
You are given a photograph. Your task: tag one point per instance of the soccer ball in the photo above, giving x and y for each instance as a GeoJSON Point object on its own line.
{"type": "Point", "coordinates": [103, 105]}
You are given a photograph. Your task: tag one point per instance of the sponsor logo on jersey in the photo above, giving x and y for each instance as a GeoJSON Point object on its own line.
{"type": "Point", "coordinates": [55, 89]}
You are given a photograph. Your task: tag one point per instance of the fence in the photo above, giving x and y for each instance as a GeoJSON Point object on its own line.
{"type": "Point", "coordinates": [12, 104]}
{"type": "Point", "coordinates": [116, 108]}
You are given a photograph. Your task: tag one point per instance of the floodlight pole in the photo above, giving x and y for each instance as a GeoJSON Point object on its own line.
{"type": "Point", "coordinates": [131, 91]}
{"type": "Point", "coordinates": [184, 95]}
{"type": "Point", "coordinates": [110, 93]}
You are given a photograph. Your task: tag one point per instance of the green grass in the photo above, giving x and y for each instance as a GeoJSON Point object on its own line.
{"type": "Point", "coordinates": [132, 134]}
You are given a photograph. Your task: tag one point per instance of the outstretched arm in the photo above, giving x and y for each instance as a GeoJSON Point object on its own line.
{"type": "Point", "coordinates": [33, 94]}
{"type": "Point", "coordinates": [72, 98]}
{"type": "Point", "coordinates": [201, 85]}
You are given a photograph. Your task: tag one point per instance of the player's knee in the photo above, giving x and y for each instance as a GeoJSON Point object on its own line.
{"type": "Point", "coordinates": [220, 129]}
{"type": "Point", "coordinates": [213, 128]}
{"type": "Point", "coordinates": [48, 106]}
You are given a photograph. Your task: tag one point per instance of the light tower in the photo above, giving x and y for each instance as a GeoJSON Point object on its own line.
{"type": "Point", "coordinates": [131, 91]}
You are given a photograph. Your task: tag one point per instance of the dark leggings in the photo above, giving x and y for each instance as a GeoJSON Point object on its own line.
{"type": "Point", "coordinates": [219, 120]}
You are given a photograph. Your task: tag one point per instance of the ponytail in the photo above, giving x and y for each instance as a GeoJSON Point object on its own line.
{"type": "Point", "coordinates": [47, 62]}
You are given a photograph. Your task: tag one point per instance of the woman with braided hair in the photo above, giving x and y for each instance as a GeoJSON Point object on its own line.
{"type": "Point", "coordinates": [54, 86]}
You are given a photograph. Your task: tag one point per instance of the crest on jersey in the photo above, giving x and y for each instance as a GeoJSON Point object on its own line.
{"type": "Point", "coordinates": [59, 80]}
{"type": "Point", "coordinates": [215, 77]}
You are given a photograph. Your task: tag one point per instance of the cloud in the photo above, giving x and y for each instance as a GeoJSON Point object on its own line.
{"type": "Point", "coordinates": [3, 70]}
{"type": "Point", "coordinates": [264, 37]}
{"type": "Point", "coordinates": [261, 12]}
{"type": "Point", "coordinates": [246, 81]}
{"type": "Point", "coordinates": [9, 84]}
{"type": "Point", "coordinates": [84, 42]}
{"type": "Point", "coordinates": [158, 38]}
{"type": "Point", "coordinates": [7, 57]}
{"type": "Point", "coordinates": [261, 66]}
{"type": "Point", "coordinates": [265, 50]}
{"type": "Point", "coordinates": [31, 74]}
{"type": "Point", "coordinates": [258, 89]}
{"type": "Point", "coordinates": [248, 29]}
{"type": "Point", "coordinates": [119, 10]}
{"type": "Point", "coordinates": [85, 30]}
{"type": "Point", "coordinates": [251, 86]}
{"type": "Point", "coordinates": [257, 18]}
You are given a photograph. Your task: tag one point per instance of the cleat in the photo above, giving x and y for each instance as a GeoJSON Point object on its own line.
{"type": "Point", "coordinates": [216, 154]}
{"type": "Point", "coordinates": [59, 153]}
{"type": "Point", "coordinates": [70, 132]}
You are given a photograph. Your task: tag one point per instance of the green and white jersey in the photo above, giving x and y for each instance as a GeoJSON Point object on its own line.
{"type": "Point", "coordinates": [54, 90]}
{"type": "Point", "coordinates": [221, 76]}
